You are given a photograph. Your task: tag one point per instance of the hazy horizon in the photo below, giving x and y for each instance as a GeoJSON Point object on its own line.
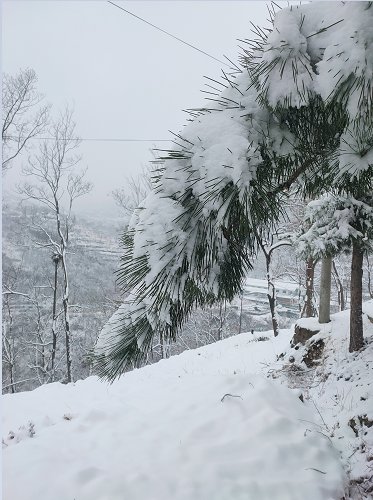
{"type": "Point", "coordinates": [124, 78]}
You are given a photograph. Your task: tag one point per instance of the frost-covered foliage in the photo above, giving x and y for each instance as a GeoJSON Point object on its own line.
{"type": "Point", "coordinates": [332, 223]}
{"type": "Point", "coordinates": [188, 243]}
{"type": "Point", "coordinates": [322, 51]}
{"type": "Point", "coordinates": [299, 111]}
{"type": "Point", "coordinates": [318, 49]}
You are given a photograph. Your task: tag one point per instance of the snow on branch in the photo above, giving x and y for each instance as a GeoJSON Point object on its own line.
{"type": "Point", "coordinates": [280, 123]}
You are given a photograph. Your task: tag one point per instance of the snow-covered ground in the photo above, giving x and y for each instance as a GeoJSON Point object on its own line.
{"type": "Point", "coordinates": [223, 422]}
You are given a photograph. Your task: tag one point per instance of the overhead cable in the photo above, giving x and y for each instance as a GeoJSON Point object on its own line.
{"type": "Point", "coordinates": [169, 34]}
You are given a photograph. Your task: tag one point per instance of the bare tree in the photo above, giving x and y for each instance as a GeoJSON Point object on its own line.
{"type": "Point", "coordinates": [13, 346]}
{"type": "Point", "coordinates": [136, 188]}
{"type": "Point", "coordinates": [9, 349]}
{"type": "Point", "coordinates": [24, 117]}
{"type": "Point", "coordinates": [56, 258]}
{"type": "Point", "coordinates": [38, 346]}
{"type": "Point", "coordinates": [57, 186]}
{"type": "Point", "coordinates": [268, 247]}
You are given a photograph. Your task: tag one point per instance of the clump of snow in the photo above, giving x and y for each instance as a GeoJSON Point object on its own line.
{"type": "Point", "coordinates": [317, 48]}
{"type": "Point", "coordinates": [109, 332]}
{"type": "Point", "coordinates": [355, 156]}
{"type": "Point", "coordinates": [331, 223]}
{"type": "Point", "coordinates": [368, 308]}
{"type": "Point", "coordinates": [286, 47]}
{"type": "Point", "coordinates": [313, 324]}
{"type": "Point", "coordinates": [323, 49]}
{"type": "Point", "coordinates": [348, 53]}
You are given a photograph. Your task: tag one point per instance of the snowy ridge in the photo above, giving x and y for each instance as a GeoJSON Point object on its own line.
{"type": "Point", "coordinates": [207, 424]}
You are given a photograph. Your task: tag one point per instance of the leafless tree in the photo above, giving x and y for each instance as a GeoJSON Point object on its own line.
{"type": "Point", "coordinates": [208, 325]}
{"type": "Point", "coordinates": [56, 186]}
{"type": "Point", "coordinates": [9, 349]}
{"type": "Point", "coordinates": [274, 241]}
{"type": "Point", "coordinates": [307, 305]}
{"type": "Point", "coordinates": [136, 188]}
{"type": "Point", "coordinates": [38, 345]}
{"type": "Point", "coordinates": [13, 347]}
{"type": "Point", "coordinates": [24, 115]}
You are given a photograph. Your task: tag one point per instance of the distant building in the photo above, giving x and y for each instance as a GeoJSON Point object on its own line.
{"type": "Point", "coordinates": [255, 300]}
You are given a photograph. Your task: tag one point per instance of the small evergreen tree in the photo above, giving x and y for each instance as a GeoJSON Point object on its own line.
{"type": "Point", "coordinates": [336, 224]}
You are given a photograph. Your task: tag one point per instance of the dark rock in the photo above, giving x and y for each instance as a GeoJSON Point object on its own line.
{"type": "Point", "coordinates": [313, 353]}
{"type": "Point", "coordinates": [359, 421]}
{"type": "Point", "coordinates": [301, 335]}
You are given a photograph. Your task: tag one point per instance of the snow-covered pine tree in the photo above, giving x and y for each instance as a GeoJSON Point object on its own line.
{"type": "Point", "coordinates": [298, 111]}
{"type": "Point", "coordinates": [335, 224]}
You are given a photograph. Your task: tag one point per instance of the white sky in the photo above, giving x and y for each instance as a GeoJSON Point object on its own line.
{"type": "Point", "coordinates": [125, 79]}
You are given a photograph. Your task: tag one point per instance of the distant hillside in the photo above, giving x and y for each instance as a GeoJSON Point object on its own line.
{"type": "Point", "coordinates": [28, 269]}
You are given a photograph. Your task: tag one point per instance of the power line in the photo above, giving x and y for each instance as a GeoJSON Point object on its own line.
{"type": "Point", "coordinates": [88, 139]}
{"type": "Point", "coordinates": [169, 34]}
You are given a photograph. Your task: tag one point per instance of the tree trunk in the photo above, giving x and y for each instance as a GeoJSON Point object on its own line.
{"type": "Point", "coordinates": [67, 337]}
{"type": "Point", "coordinates": [65, 302]}
{"type": "Point", "coordinates": [240, 320]}
{"type": "Point", "coordinates": [356, 314]}
{"type": "Point", "coordinates": [310, 273]}
{"type": "Point", "coordinates": [40, 351]}
{"type": "Point", "coordinates": [325, 288]}
{"type": "Point", "coordinates": [54, 316]}
{"type": "Point", "coordinates": [163, 345]}
{"type": "Point", "coordinates": [10, 363]}
{"type": "Point", "coordinates": [65, 298]}
{"type": "Point", "coordinates": [272, 299]}
{"type": "Point", "coordinates": [12, 386]}
{"type": "Point", "coordinates": [341, 296]}
{"type": "Point", "coordinates": [222, 318]}
{"type": "Point", "coordinates": [8, 347]}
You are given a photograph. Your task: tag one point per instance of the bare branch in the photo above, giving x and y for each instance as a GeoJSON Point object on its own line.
{"type": "Point", "coordinates": [136, 188]}
{"type": "Point", "coordinates": [20, 120]}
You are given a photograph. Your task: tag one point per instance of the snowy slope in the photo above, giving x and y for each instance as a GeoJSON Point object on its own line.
{"type": "Point", "coordinates": [218, 423]}
{"type": "Point", "coordinates": [340, 388]}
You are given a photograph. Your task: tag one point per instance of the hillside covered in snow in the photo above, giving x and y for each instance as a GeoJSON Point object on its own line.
{"type": "Point", "coordinates": [249, 417]}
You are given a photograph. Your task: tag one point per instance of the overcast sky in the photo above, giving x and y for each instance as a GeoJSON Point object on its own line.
{"type": "Point", "coordinates": [125, 79]}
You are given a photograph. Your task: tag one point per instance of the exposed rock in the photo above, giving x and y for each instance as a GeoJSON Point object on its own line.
{"type": "Point", "coordinates": [359, 422]}
{"type": "Point", "coordinates": [301, 335]}
{"type": "Point", "coordinates": [313, 353]}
